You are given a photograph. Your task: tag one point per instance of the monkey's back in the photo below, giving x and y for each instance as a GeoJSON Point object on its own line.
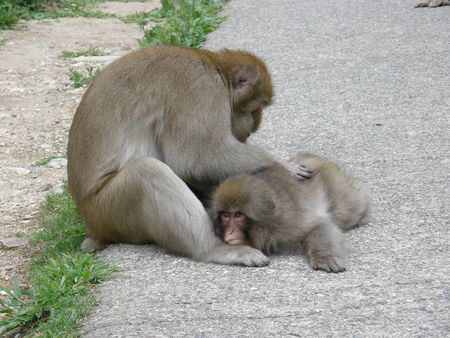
{"type": "Point", "coordinates": [129, 110]}
{"type": "Point", "coordinates": [297, 203]}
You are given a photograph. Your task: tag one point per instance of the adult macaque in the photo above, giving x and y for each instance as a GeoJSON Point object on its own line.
{"type": "Point", "coordinates": [151, 122]}
{"type": "Point", "coordinates": [433, 3]}
{"type": "Point", "coordinates": [271, 209]}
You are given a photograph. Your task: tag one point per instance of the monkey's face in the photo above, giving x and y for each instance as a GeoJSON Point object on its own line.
{"type": "Point", "coordinates": [244, 123]}
{"type": "Point", "coordinates": [234, 227]}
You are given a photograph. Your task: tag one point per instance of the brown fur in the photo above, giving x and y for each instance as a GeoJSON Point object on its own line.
{"type": "Point", "coordinates": [152, 117]}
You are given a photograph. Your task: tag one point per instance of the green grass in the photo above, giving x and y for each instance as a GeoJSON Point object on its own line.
{"type": "Point", "coordinates": [58, 296]}
{"type": "Point", "coordinates": [183, 22]}
{"type": "Point", "coordinates": [81, 80]}
{"type": "Point", "coordinates": [141, 18]}
{"type": "Point", "coordinates": [11, 11]}
{"type": "Point", "coordinates": [94, 51]}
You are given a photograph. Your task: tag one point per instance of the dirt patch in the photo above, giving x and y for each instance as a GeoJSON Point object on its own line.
{"type": "Point", "coordinates": [127, 8]}
{"type": "Point", "coordinates": [37, 103]}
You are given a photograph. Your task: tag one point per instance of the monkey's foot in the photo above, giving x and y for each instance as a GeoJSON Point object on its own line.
{"type": "Point", "coordinates": [433, 3]}
{"type": "Point", "coordinates": [328, 264]}
{"type": "Point", "coordinates": [91, 245]}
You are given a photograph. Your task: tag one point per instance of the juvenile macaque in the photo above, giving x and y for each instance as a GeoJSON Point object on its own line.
{"type": "Point", "coordinates": [433, 3]}
{"type": "Point", "coordinates": [152, 123]}
{"type": "Point", "coordinates": [271, 209]}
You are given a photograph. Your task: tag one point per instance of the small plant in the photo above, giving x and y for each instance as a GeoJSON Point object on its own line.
{"type": "Point", "coordinates": [94, 51]}
{"type": "Point", "coordinates": [80, 80]}
{"type": "Point", "coordinates": [58, 296]}
{"type": "Point", "coordinates": [10, 13]}
{"type": "Point", "coordinates": [141, 18]}
{"type": "Point", "coordinates": [20, 234]}
{"type": "Point", "coordinates": [184, 22]}
{"type": "Point", "coordinates": [44, 161]}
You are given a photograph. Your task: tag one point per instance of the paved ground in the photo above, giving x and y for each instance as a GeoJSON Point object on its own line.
{"type": "Point", "coordinates": [366, 83]}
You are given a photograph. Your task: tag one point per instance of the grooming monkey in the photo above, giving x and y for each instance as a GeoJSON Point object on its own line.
{"type": "Point", "coordinates": [271, 209]}
{"type": "Point", "coordinates": [151, 124]}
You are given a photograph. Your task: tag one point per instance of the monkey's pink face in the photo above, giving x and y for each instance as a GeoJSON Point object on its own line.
{"type": "Point", "coordinates": [234, 225]}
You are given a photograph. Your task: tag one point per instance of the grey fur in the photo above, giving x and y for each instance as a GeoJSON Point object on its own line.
{"type": "Point", "coordinates": [284, 211]}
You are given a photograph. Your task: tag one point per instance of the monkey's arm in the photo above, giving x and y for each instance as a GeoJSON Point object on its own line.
{"type": "Point", "coordinates": [198, 142]}
{"type": "Point", "coordinates": [215, 162]}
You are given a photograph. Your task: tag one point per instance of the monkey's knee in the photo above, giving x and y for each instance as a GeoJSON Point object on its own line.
{"type": "Point", "coordinates": [90, 244]}
{"type": "Point", "coordinates": [326, 248]}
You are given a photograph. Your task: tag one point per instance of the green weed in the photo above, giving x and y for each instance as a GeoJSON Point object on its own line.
{"type": "Point", "coordinates": [94, 51]}
{"type": "Point", "coordinates": [184, 22]}
{"type": "Point", "coordinates": [141, 18]}
{"type": "Point", "coordinates": [44, 161]}
{"type": "Point", "coordinates": [81, 80]}
{"type": "Point", "coordinates": [10, 13]}
{"type": "Point", "coordinates": [61, 277]}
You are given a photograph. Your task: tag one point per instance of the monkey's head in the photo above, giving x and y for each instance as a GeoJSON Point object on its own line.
{"type": "Point", "coordinates": [237, 204]}
{"type": "Point", "coordinates": [251, 90]}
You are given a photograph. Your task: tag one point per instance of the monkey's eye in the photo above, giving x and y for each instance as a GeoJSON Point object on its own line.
{"type": "Point", "coordinates": [225, 215]}
{"type": "Point", "coordinates": [239, 215]}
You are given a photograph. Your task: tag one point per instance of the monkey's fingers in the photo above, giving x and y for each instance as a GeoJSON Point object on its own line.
{"type": "Point", "coordinates": [328, 264]}
{"type": "Point", "coordinates": [300, 171]}
{"type": "Point", "coordinates": [303, 173]}
{"type": "Point", "coordinates": [236, 255]}
{"type": "Point", "coordinates": [252, 257]}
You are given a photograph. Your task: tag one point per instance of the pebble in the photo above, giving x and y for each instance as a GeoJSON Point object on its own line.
{"type": "Point", "coordinates": [58, 189]}
{"type": "Point", "coordinates": [14, 242]}
{"type": "Point", "coordinates": [21, 171]}
{"type": "Point", "coordinates": [44, 187]}
{"type": "Point", "coordinates": [57, 163]}
{"type": "Point", "coordinates": [9, 193]}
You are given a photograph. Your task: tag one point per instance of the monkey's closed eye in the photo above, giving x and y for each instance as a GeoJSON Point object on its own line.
{"type": "Point", "coordinates": [239, 215]}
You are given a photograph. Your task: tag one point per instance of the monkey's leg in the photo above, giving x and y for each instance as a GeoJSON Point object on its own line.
{"type": "Point", "coordinates": [325, 248]}
{"type": "Point", "coordinates": [433, 3]}
{"type": "Point", "coordinates": [146, 202]}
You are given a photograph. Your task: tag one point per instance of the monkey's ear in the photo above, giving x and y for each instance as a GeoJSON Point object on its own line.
{"type": "Point", "coordinates": [244, 78]}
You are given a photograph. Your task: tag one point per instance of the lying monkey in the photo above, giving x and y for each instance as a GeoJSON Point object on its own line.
{"type": "Point", "coordinates": [271, 208]}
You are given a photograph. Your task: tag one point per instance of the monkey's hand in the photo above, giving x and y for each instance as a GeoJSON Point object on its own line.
{"type": "Point", "coordinates": [300, 171]}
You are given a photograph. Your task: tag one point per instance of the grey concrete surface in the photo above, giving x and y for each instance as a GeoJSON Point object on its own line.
{"type": "Point", "coordinates": [367, 84]}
